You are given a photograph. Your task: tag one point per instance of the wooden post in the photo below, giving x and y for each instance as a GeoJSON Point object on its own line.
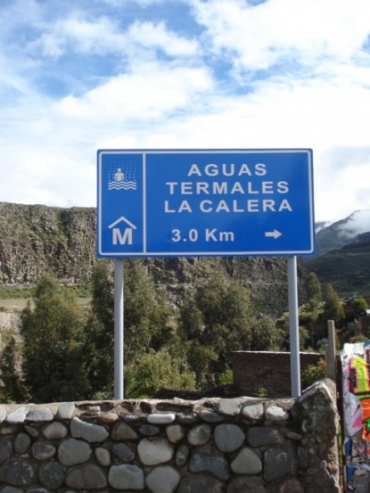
{"type": "Point", "coordinates": [330, 352]}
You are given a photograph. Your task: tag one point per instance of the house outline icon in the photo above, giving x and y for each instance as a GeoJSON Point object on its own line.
{"type": "Point", "coordinates": [122, 238]}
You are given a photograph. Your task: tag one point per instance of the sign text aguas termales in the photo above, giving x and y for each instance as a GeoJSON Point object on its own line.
{"type": "Point", "coordinates": [244, 195]}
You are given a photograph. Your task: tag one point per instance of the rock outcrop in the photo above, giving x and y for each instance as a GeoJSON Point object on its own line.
{"type": "Point", "coordinates": [35, 239]}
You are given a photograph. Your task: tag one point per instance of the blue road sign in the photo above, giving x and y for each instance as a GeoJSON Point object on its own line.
{"type": "Point", "coordinates": [159, 203]}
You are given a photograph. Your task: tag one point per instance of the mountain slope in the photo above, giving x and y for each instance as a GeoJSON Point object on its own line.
{"type": "Point", "coordinates": [342, 232]}
{"type": "Point", "coordinates": [343, 254]}
{"type": "Point", "coordinates": [35, 239]}
{"type": "Point", "coordinates": [347, 269]}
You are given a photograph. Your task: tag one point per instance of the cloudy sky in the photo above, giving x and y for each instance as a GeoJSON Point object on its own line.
{"type": "Point", "coordinates": [80, 75]}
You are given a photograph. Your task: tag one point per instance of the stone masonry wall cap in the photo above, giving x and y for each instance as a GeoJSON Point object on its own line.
{"type": "Point", "coordinates": [211, 444]}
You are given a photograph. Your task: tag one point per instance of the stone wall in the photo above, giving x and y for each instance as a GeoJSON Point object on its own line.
{"type": "Point", "coordinates": [270, 370]}
{"type": "Point", "coordinates": [206, 446]}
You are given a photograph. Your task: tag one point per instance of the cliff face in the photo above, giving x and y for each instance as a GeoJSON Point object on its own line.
{"type": "Point", "coordinates": [35, 239]}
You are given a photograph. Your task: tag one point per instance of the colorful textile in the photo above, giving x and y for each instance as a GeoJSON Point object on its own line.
{"type": "Point", "coordinates": [359, 384]}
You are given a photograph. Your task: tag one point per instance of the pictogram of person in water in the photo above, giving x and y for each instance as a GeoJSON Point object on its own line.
{"type": "Point", "coordinates": [118, 175]}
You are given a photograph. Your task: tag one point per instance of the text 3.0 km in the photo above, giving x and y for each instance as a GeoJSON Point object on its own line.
{"type": "Point", "coordinates": [208, 235]}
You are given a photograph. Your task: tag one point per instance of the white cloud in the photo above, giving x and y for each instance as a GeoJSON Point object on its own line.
{"type": "Point", "coordinates": [304, 31]}
{"type": "Point", "coordinates": [117, 140]}
{"type": "Point", "coordinates": [49, 142]}
{"type": "Point", "coordinates": [144, 3]}
{"type": "Point", "coordinates": [149, 91]}
{"type": "Point", "coordinates": [79, 35]}
{"type": "Point", "coordinates": [321, 225]}
{"type": "Point", "coordinates": [336, 190]}
{"type": "Point", "coordinates": [357, 223]}
{"type": "Point", "coordinates": [152, 35]}
{"type": "Point", "coordinates": [103, 36]}
{"type": "Point", "coordinates": [48, 174]}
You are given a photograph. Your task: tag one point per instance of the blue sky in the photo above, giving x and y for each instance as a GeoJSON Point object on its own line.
{"type": "Point", "coordinates": [76, 76]}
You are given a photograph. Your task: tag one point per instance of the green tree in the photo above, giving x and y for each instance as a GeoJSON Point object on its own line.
{"type": "Point", "coordinates": [13, 389]}
{"type": "Point", "coordinates": [265, 335]}
{"type": "Point", "coordinates": [53, 332]}
{"type": "Point", "coordinates": [147, 315]}
{"type": "Point", "coordinates": [102, 288]}
{"type": "Point", "coordinates": [314, 296]}
{"type": "Point", "coordinates": [99, 328]}
{"type": "Point", "coordinates": [333, 308]}
{"type": "Point", "coordinates": [215, 321]}
{"type": "Point", "coordinates": [283, 325]}
{"type": "Point", "coordinates": [313, 319]}
{"type": "Point", "coordinates": [359, 307]}
{"type": "Point", "coordinates": [202, 360]}
{"type": "Point", "coordinates": [313, 290]}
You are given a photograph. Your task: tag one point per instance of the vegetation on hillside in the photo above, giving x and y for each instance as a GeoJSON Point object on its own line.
{"type": "Point", "coordinates": [183, 316]}
{"type": "Point", "coordinates": [347, 269]}
{"type": "Point", "coordinates": [67, 349]}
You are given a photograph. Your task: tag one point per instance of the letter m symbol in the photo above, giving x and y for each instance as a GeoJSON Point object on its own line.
{"type": "Point", "coordinates": [124, 237]}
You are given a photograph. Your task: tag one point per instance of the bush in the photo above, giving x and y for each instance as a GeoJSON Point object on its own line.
{"type": "Point", "coordinates": [313, 373]}
{"type": "Point", "coordinates": [358, 338]}
{"type": "Point", "coordinates": [261, 393]}
{"type": "Point", "coordinates": [226, 378]}
{"type": "Point", "coordinates": [156, 370]}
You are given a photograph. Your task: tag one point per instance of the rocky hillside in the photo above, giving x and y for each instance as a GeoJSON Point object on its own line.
{"type": "Point", "coordinates": [35, 239]}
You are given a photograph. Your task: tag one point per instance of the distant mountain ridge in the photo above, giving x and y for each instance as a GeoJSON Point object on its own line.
{"type": "Point", "coordinates": [344, 254]}
{"type": "Point", "coordinates": [363, 237]}
{"type": "Point", "coordinates": [343, 232]}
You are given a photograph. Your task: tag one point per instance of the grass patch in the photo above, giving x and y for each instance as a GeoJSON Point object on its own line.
{"type": "Point", "coordinates": [13, 304]}
{"type": "Point", "coordinates": [18, 304]}
{"type": "Point", "coordinates": [10, 293]}
{"type": "Point", "coordinates": [79, 290]}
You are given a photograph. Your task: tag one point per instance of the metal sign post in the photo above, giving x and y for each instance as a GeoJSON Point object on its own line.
{"type": "Point", "coordinates": [118, 329]}
{"type": "Point", "coordinates": [237, 202]}
{"type": "Point", "coordinates": [295, 367]}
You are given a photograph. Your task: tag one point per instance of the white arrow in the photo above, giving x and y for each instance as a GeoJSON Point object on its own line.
{"type": "Point", "coordinates": [273, 234]}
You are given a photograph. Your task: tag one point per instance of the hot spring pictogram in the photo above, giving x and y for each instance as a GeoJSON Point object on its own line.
{"type": "Point", "coordinates": [122, 179]}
